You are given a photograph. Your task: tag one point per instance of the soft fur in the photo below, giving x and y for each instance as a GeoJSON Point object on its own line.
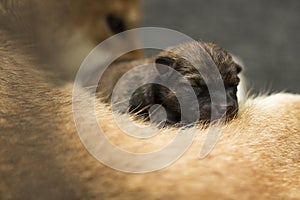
{"type": "Point", "coordinates": [42, 157]}
{"type": "Point", "coordinates": [201, 64]}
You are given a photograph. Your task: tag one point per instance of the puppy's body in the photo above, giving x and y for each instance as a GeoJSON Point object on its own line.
{"type": "Point", "coordinates": [200, 64]}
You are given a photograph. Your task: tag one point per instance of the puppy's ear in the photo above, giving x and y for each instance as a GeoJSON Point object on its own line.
{"type": "Point", "coordinates": [238, 69]}
{"type": "Point", "coordinates": [162, 64]}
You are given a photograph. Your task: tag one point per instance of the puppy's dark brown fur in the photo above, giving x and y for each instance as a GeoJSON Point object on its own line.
{"type": "Point", "coordinates": [201, 64]}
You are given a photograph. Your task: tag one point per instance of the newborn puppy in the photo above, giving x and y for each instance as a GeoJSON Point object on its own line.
{"type": "Point", "coordinates": [194, 61]}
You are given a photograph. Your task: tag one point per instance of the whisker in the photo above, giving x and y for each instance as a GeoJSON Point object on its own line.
{"type": "Point", "coordinates": [143, 109]}
{"type": "Point", "coordinates": [90, 87]}
{"type": "Point", "coordinates": [120, 102]}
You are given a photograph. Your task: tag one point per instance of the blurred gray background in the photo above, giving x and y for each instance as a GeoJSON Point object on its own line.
{"type": "Point", "coordinates": [265, 34]}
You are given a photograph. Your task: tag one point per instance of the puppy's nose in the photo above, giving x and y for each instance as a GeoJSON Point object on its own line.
{"type": "Point", "coordinates": [230, 109]}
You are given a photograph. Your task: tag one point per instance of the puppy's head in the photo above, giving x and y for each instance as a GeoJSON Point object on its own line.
{"type": "Point", "coordinates": [198, 75]}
